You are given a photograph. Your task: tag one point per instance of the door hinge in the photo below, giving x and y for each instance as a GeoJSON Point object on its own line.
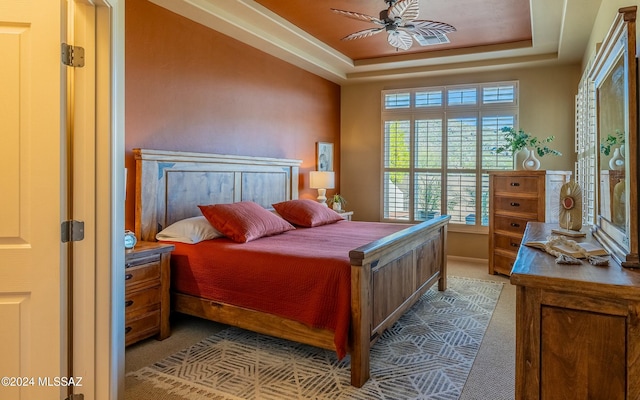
{"type": "Point", "coordinates": [72, 231]}
{"type": "Point", "coordinates": [75, 397]}
{"type": "Point", "coordinates": [72, 56]}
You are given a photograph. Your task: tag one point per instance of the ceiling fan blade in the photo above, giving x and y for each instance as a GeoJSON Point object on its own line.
{"type": "Point", "coordinates": [358, 16]}
{"type": "Point", "coordinates": [404, 9]}
{"type": "Point", "coordinates": [427, 28]}
{"type": "Point", "coordinates": [363, 34]}
{"type": "Point", "coordinates": [400, 39]}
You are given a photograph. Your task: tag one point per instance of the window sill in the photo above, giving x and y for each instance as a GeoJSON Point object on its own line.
{"type": "Point", "coordinates": [462, 228]}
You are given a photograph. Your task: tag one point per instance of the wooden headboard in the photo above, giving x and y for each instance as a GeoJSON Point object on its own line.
{"type": "Point", "coordinates": [171, 184]}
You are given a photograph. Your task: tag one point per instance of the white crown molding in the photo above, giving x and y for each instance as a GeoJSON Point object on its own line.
{"type": "Point", "coordinates": [560, 33]}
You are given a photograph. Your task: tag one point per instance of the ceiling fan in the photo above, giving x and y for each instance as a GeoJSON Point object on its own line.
{"type": "Point", "coordinates": [399, 21]}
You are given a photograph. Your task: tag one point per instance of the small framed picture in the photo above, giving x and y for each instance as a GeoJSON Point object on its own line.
{"type": "Point", "coordinates": [324, 154]}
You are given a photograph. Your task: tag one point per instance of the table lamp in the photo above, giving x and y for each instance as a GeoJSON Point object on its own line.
{"type": "Point", "coordinates": [322, 180]}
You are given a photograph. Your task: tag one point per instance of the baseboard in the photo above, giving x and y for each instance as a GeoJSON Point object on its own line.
{"type": "Point", "coordinates": [468, 259]}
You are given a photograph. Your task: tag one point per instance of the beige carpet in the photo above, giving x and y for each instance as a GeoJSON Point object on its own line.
{"type": "Point", "coordinates": [491, 377]}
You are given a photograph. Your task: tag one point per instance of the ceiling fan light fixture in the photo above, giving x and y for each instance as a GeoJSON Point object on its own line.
{"type": "Point", "coordinates": [399, 17]}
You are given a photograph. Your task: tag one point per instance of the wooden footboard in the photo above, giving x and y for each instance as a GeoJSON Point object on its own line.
{"type": "Point", "coordinates": [387, 277]}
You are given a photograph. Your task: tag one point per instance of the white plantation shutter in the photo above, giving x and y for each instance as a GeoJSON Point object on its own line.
{"type": "Point", "coordinates": [586, 147]}
{"type": "Point", "coordinates": [438, 144]}
{"type": "Point", "coordinates": [428, 143]}
{"type": "Point", "coordinates": [492, 136]}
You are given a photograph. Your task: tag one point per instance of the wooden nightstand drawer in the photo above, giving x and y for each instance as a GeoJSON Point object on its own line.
{"type": "Point", "coordinates": [516, 184]}
{"type": "Point", "coordinates": [510, 224]}
{"type": "Point", "coordinates": [528, 206]}
{"type": "Point", "coordinates": [135, 260]}
{"type": "Point", "coordinates": [140, 299]}
{"type": "Point", "coordinates": [142, 327]}
{"type": "Point", "coordinates": [507, 243]}
{"type": "Point", "coordinates": [142, 275]}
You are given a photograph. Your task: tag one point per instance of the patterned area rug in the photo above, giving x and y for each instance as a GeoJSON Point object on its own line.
{"type": "Point", "coordinates": [427, 354]}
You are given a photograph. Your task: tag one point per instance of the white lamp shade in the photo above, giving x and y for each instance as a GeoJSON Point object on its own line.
{"type": "Point", "coordinates": [322, 180]}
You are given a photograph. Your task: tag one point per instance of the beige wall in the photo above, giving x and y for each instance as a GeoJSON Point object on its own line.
{"type": "Point", "coordinates": [546, 108]}
{"type": "Point", "coordinates": [607, 13]}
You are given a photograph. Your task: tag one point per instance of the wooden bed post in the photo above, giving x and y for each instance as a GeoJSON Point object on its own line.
{"type": "Point", "coordinates": [360, 323]}
{"type": "Point", "coordinates": [387, 277]}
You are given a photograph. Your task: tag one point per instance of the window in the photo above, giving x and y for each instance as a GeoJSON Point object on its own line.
{"type": "Point", "coordinates": [439, 143]}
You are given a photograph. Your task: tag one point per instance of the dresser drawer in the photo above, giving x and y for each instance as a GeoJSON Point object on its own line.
{"type": "Point", "coordinates": [527, 206]}
{"type": "Point", "coordinates": [507, 243]}
{"type": "Point", "coordinates": [142, 275]}
{"type": "Point", "coordinates": [503, 264]}
{"type": "Point", "coordinates": [510, 224]}
{"type": "Point", "coordinates": [141, 299]}
{"type": "Point", "coordinates": [516, 184]}
{"type": "Point", "coordinates": [142, 327]}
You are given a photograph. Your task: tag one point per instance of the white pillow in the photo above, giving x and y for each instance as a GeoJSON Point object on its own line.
{"type": "Point", "coordinates": [191, 230]}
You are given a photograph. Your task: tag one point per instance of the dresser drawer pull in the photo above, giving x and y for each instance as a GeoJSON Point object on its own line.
{"type": "Point", "coordinates": [515, 225]}
{"type": "Point", "coordinates": [127, 329]}
{"type": "Point", "coordinates": [514, 204]}
{"type": "Point", "coordinates": [514, 244]}
{"type": "Point", "coordinates": [128, 303]}
{"type": "Point", "coordinates": [127, 277]}
{"type": "Point", "coordinates": [515, 183]}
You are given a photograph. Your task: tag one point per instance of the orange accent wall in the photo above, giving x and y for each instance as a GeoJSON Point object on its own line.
{"type": "Point", "coordinates": [190, 88]}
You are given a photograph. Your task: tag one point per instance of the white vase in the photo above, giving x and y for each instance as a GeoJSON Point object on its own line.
{"type": "Point", "coordinates": [518, 158]}
{"type": "Point", "coordinates": [617, 161]}
{"type": "Point", "coordinates": [531, 163]}
{"type": "Point", "coordinates": [337, 206]}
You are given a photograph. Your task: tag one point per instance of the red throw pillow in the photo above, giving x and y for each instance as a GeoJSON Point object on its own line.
{"type": "Point", "coordinates": [307, 213]}
{"type": "Point", "coordinates": [244, 221]}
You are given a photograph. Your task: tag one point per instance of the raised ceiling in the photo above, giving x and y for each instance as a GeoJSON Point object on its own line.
{"type": "Point", "coordinates": [479, 23]}
{"type": "Point", "coordinates": [490, 34]}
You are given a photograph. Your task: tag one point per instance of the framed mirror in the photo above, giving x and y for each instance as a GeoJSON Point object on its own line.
{"type": "Point", "coordinates": [614, 76]}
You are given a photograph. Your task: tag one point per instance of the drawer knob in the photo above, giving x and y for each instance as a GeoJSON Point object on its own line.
{"type": "Point", "coordinates": [128, 303]}
{"type": "Point", "coordinates": [514, 204]}
{"type": "Point", "coordinates": [127, 329]}
{"type": "Point", "coordinates": [515, 225]}
{"type": "Point", "coordinates": [515, 184]}
{"type": "Point", "coordinates": [127, 277]}
{"type": "Point", "coordinates": [514, 244]}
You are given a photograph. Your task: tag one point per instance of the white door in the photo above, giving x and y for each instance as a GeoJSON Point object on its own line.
{"type": "Point", "coordinates": [32, 257]}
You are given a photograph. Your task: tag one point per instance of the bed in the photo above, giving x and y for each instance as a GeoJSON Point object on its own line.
{"type": "Point", "coordinates": [387, 275]}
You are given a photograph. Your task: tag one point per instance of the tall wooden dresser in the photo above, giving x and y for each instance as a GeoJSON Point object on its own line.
{"type": "Point", "coordinates": [515, 198]}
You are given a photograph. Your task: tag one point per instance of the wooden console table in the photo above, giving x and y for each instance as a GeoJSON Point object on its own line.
{"type": "Point", "coordinates": [577, 326]}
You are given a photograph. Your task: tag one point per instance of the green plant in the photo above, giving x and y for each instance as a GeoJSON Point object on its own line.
{"type": "Point", "coordinates": [429, 194]}
{"type": "Point", "coordinates": [337, 198]}
{"type": "Point", "coordinates": [516, 141]}
{"type": "Point", "coordinates": [610, 141]}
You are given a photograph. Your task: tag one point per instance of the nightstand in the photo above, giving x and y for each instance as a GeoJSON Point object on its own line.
{"type": "Point", "coordinates": [147, 298]}
{"type": "Point", "coordinates": [346, 215]}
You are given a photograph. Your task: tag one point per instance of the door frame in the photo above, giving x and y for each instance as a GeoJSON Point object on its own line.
{"type": "Point", "coordinates": [110, 189]}
{"type": "Point", "coordinates": [103, 334]}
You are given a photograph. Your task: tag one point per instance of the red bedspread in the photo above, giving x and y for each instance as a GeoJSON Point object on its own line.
{"type": "Point", "coordinates": [303, 275]}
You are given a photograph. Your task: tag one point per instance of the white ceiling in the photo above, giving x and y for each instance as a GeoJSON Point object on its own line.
{"type": "Point", "coordinates": [560, 30]}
